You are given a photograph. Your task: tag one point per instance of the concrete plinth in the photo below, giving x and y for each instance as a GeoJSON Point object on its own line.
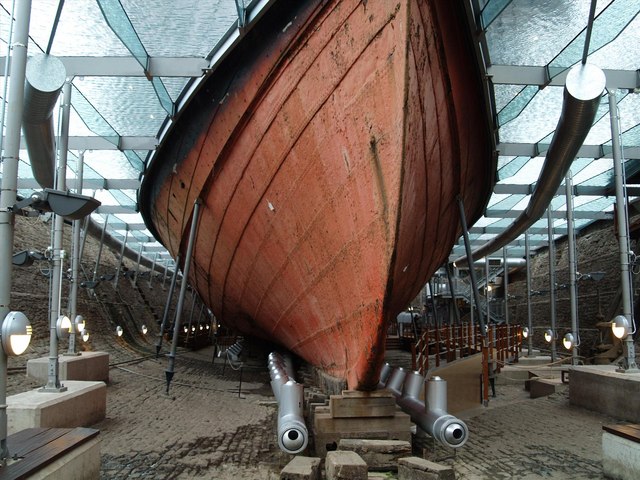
{"type": "Point", "coordinates": [620, 457]}
{"type": "Point", "coordinates": [88, 366]}
{"type": "Point", "coordinates": [81, 405]}
{"type": "Point", "coordinates": [601, 389]}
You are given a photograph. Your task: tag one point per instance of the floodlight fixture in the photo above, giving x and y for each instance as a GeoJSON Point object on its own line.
{"type": "Point", "coordinates": [208, 326]}
{"type": "Point", "coordinates": [185, 329]}
{"type": "Point", "coordinates": [25, 258]}
{"type": "Point", "coordinates": [568, 341]}
{"type": "Point", "coordinates": [201, 327]}
{"type": "Point", "coordinates": [80, 323]}
{"type": "Point", "coordinates": [63, 327]}
{"type": "Point", "coordinates": [85, 335]}
{"type": "Point", "coordinates": [620, 327]}
{"type": "Point", "coordinates": [525, 332]}
{"type": "Point", "coordinates": [144, 329]}
{"type": "Point", "coordinates": [549, 335]}
{"type": "Point", "coordinates": [16, 333]}
{"type": "Point", "coordinates": [71, 206]}
{"type": "Point", "coordinates": [193, 328]}
{"type": "Point", "coordinates": [119, 331]}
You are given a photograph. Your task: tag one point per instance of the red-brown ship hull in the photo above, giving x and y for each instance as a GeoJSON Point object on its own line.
{"type": "Point", "coordinates": [329, 155]}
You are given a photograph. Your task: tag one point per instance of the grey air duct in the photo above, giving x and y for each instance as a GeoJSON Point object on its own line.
{"type": "Point", "coordinates": [432, 416]}
{"type": "Point", "coordinates": [293, 435]}
{"type": "Point", "coordinates": [583, 90]}
{"type": "Point", "coordinates": [45, 76]}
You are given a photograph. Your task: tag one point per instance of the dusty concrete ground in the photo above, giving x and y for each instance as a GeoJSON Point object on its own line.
{"type": "Point", "coordinates": [203, 429]}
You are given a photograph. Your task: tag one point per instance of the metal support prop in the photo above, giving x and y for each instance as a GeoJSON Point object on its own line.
{"type": "Point", "coordinates": [552, 282]}
{"type": "Point", "coordinates": [75, 262]}
{"type": "Point", "coordinates": [53, 380]}
{"type": "Point", "coordinates": [120, 259]}
{"type": "Point", "coordinates": [104, 230]}
{"type": "Point", "coordinates": [167, 305]}
{"type": "Point", "coordinates": [505, 272]}
{"type": "Point", "coordinates": [573, 268]}
{"type": "Point", "coordinates": [476, 297]}
{"type": "Point", "coordinates": [452, 291]}
{"type": "Point", "coordinates": [527, 254]}
{"type": "Point", "coordinates": [623, 235]}
{"type": "Point", "coordinates": [135, 276]}
{"type": "Point", "coordinates": [8, 189]}
{"type": "Point", "coordinates": [164, 275]}
{"type": "Point", "coordinates": [486, 287]}
{"type": "Point", "coordinates": [472, 274]}
{"type": "Point", "coordinates": [153, 269]}
{"type": "Point", "coordinates": [169, 372]}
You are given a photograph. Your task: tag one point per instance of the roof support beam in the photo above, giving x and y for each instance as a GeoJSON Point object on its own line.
{"type": "Point", "coordinates": [577, 214]}
{"type": "Point", "coordinates": [586, 151]}
{"type": "Point", "coordinates": [88, 184]}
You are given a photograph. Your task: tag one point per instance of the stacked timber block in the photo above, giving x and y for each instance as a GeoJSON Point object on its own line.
{"type": "Point", "coordinates": [379, 455]}
{"type": "Point", "coordinates": [360, 415]}
{"type": "Point", "coordinates": [416, 468]}
{"type": "Point", "coordinates": [301, 468]}
{"type": "Point", "coordinates": [344, 465]}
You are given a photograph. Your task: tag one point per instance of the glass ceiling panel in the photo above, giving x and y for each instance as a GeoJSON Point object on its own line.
{"type": "Point", "coordinates": [110, 164]}
{"type": "Point", "coordinates": [541, 115]}
{"type": "Point", "coordinates": [533, 33]}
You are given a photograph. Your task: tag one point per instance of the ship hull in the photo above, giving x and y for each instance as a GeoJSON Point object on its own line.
{"type": "Point", "coordinates": [329, 156]}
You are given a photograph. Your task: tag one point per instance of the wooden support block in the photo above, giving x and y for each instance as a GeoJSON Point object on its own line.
{"type": "Point", "coordinates": [325, 423]}
{"type": "Point", "coordinates": [379, 403]}
{"type": "Point", "coordinates": [539, 387]}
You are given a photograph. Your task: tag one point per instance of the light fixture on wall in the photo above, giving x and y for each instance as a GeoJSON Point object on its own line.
{"type": "Point", "coordinates": [620, 327]}
{"type": "Point", "coordinates": [16, 333]}
{"type": "Point", "coordinates": [63, 327]}
{"type": "Point", "coordinates": [568, 341]}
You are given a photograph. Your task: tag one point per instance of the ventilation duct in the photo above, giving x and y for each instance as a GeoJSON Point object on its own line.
{"type": "Point", "coordinates": [45, 76]}
{"type": "Point", "coordinates": [583, 90]}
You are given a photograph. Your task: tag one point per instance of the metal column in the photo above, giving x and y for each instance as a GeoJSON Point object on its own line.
{"type": "Point", "coordinates": [75, 262]}
{"type": "Point", "coordinates": [623, 234]}
{"type": "Point", "coordinates": [104, 230]}
{"type": "Point", "coordinates": [153, 269]}
{"type": "Point", "coordinates": [8, 189]}
{"type": "Point", "coordinates": [552, 282]}
{"type": "Point", "coordinates": [183, 289]}
{"type": "Point", "coordinates": [527, 255]}
{"type": "Point", "coordinates": [121, 259]}
{"type": "Point", "coordinates": [573, 268]}
{"type": "Point", "coordinates": [505, 273]}
{"type": "Point", "coordinates": [53, 381]}
{"type": "Point", "coordinates": [135, 275]}
{"type": "Point", "coordinates": [167, 305]}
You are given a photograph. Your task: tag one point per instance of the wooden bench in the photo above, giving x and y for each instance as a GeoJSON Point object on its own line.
{"type": "Point", "coordinates": [621, 451]}
{"type": "Point", "coordinates": [36, 448]}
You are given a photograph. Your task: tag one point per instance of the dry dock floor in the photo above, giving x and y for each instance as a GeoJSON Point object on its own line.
{"type": "Point", "coordinates": [205, 429]}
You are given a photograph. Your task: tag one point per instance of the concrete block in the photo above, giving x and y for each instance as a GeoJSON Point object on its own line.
{"type": "Point", "coordinates": [416, 468]}
{"type": "Point", "coordinates": [620, 457]}
{"type": "Point", "coordinates": [81, 405]}
{"type": "Point", "coordinates": [601, 388]}
{"type": "Point", "coordinates": [343, 465]}
{"type": "Point", "coordinates": [540, 387]}
{"type": "Point", "coordinates": [379, 455]}
{"type": "Point", "coordinates": [301, 468]}
{"type": "Point", "coordinates": [88, 366]}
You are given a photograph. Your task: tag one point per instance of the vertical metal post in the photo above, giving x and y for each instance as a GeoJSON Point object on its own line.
{"type": "Point", "coordinates": [552, 282]}
{"type": "Point", "coordinates": [183, 289]}
{"type": "Point", "coordinates": [153, 269]}
{"type": "Point", "coordinates": [75, 262]}
{"type": "Point", "coordinates": [486, 287]}
{"type": "Point", "coordinates": [529, 312]}
{"type": "Point", "coordinates": [623, 235]}
{"type": "Point", "coordinates": [472, 274]}
{"type": "Point", "coordinates": [505, 272]}
{"type": "Point", "coordinates": [135, 275]}
{"type": "Point", "coordinates": [53, 381]}
{"type": "Point", "coordinates": [121, 258]}
{"type": "Point", "coordinates": [104, 230]}
{"type": "Point", "coordinates": [452, 291]}
{"type": "Point", "coordinates": [164, 275]}
{"type": "Point", "coordinates": [8, 189]}
{"type": "Point", "coordinates": [573, 268]}
{"type": "Point", "coordinates": [167, 305]}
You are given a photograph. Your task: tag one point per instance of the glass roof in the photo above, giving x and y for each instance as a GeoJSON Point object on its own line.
{"type": "Point", "coordinates": [134, 62]}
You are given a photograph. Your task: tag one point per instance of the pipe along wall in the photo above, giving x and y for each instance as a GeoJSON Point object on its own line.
{"type": "Point", "coordinates": [293, 436]}
{"type": "Point", "coordinates": [431, 417]}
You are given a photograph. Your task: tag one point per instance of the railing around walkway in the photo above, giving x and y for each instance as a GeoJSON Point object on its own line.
{"type": "Point", "coordinates": [451, 342]}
